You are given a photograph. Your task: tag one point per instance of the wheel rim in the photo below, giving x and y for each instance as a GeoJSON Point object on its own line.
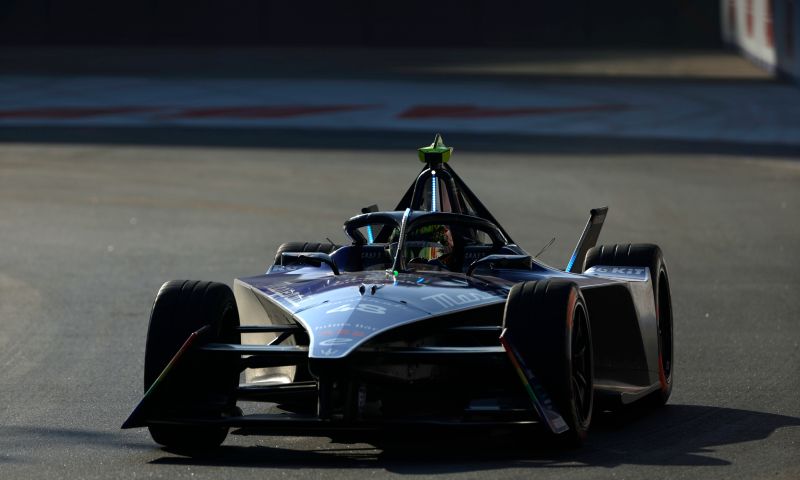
{"type": "Point", "coordinates": [581, 366]}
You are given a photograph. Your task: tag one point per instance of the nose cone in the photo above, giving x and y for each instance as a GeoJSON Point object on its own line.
{"type": "Point", "coordinates": [341, 312]}
{"type": "Point", "coordinates": [339, 325]}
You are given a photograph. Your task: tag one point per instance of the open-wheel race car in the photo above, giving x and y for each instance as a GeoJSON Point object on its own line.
{"type": "Point", "coordinates": [431, 317]}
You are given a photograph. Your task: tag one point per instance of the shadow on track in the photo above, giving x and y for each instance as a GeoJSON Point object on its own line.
{"type": "Point", "coordinates": [26, 438]}
{"type": "Point", "coordinates": [677, 435]}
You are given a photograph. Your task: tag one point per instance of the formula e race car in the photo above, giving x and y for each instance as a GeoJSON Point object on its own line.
{"type": "Point", "coordinates": [431, 317]}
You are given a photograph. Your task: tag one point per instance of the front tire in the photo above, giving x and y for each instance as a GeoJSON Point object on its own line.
{"type": "Point", "coordinates": [198, 386]}
{"type": "Point", "coordinates": [550, 324]}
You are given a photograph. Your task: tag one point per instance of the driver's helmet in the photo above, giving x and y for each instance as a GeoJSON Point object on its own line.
{"type": "Point", "coordinates": [428, 242]}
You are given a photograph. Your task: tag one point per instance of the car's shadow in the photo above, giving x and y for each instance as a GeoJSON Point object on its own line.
{"type": "Point", "coordinates": [674, 435]}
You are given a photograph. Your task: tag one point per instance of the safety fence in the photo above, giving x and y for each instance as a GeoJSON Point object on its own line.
{"type": "Point", "coordinates": [767, 31]}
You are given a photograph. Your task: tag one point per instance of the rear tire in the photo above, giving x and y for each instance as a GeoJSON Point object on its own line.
{"type": "Point", "coordinates": [650, 256]}
{"type": "Point", "coordinates": [198, 386]}
{"type": "Point", "coordinates": [550, 323]}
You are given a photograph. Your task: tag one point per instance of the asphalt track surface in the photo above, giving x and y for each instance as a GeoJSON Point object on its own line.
{"type": "Point", "coordinates": [90, 231]}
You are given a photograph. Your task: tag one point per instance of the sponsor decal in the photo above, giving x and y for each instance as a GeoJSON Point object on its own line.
{"type": "Point", "coordinates": [284, 291]}
{"type": "Point", "coordinates": [328, 328]}
{"type": "Point", "coordinates": [627, 273]}
{"type": "Point", "coordinates": [361, 307]}
{"type": "Point", "coordinates": [473, 256]}
{"type": "Point", "coordinates": [336, 341]}
{"type": "Point", "coordinates": [446, 300]}
{"type": "Point", "coordinates": [342, 332]}
{"type": "Point", "coordinates": [339, 337]}
{"type": "Point", "coordinates": [621, 270]}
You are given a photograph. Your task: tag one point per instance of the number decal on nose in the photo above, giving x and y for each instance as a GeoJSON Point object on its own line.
{"type": "Point", "coordinates": [361, 307]}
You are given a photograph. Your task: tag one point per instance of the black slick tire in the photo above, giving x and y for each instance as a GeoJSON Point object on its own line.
{"type": "Point", "coordinates": [650, 256]}
{"type": "Point", "coordinates": [550, 325]}
{"type": "Point", "coordinates": [199, 386]}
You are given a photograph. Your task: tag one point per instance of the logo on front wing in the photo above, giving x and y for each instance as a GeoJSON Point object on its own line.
{"type": "Point", "coordinates": [446, 301]}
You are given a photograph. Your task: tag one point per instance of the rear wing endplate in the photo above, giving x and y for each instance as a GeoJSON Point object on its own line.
{"type": "Point", "coordinates": [588, 239]}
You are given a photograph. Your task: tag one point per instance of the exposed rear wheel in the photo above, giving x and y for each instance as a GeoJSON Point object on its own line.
{"type": "Point", "coordinates": [650, 256]}
{"type": "Point", "coordinates": [550, 326]}
{"type": "Point", "coordinates": [198, 386]}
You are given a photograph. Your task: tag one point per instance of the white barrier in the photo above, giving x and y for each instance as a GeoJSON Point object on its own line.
{"type": "Point", "coordinates": [767, 31]}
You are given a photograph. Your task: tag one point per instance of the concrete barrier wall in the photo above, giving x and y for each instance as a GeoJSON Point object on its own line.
{"type": "Point", "coordinates": [767, 31]}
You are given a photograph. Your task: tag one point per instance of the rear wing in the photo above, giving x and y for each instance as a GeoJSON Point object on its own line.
{"type": "Point", "coordinates": [588, 239]}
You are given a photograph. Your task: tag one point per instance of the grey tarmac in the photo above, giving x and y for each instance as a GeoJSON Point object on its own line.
{"type": "Point", "coordinates": [89, 232]}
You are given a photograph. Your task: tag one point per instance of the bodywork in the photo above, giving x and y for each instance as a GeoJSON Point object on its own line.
{"type": "Point", "coordinates": [341, 314]}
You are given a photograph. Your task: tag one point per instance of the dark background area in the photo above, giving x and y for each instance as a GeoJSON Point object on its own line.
{"type": "Point", "coordinates": [483, 23]}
